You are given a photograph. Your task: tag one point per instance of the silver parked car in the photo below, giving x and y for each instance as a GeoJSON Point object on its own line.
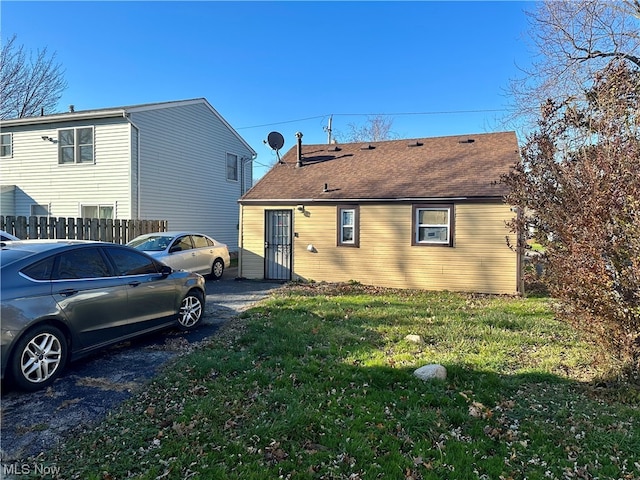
{"type": "Point", "coordinates": [193, 252]}
{"type": "Point", "coordinates": [62, 299]}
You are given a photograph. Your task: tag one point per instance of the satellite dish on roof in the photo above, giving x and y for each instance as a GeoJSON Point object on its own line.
{"type": "Point", "coordinates": [276, 142]}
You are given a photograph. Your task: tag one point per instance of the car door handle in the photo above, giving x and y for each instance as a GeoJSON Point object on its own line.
{"type": "Point", "coordinates": [67, 292]}
{"type": "Point", "coordinates": [134, 283]}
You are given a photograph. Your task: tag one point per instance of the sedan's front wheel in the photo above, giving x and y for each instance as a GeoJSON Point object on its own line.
{"type": "Point", "coordinates": [39, 358]}
{"type": "Point", "coordinates": [191, 310]}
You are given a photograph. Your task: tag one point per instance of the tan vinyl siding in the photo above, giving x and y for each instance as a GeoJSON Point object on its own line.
{"type": "Point", "coordinates": [479, 261]}
{"type": "Point", "coordinates": [251, 240]}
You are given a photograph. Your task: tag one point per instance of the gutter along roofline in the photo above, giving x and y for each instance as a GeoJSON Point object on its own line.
{"type": "Point", "coordinates": [287, 201]}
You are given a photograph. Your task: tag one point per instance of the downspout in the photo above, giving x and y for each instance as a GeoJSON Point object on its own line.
{"type": "Point", "coordinates": [520, 249]}
{"type": "Point", "coordinates": [240, 240]}
{"type": "Point", "coordinates": [243, 162]}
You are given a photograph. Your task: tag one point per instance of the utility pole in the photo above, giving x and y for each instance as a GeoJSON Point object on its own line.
{"type": "Point", "coordinates": [328, 129]}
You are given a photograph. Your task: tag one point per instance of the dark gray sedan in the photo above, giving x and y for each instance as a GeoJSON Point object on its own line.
{"type": "Point", "coordinates": [61, 300]}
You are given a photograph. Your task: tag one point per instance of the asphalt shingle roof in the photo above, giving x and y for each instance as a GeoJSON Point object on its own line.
{"type": "Point", "coordinates": [466, 166]}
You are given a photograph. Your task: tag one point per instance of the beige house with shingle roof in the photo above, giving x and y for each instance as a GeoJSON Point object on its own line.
{"type": "Point", "coordinates": [422, 213]}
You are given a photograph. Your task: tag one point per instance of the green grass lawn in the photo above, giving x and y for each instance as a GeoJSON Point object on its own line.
{"type": "Point", "coordinates": [317, 383]}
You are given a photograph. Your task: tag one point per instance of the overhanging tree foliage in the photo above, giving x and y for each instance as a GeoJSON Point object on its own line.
{"type": "Point", "coordinates": [579, 187]}
{"type": "Point", "coordinates": [29, 84]}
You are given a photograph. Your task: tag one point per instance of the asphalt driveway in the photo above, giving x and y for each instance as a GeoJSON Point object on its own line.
{"type": "Point", "coordinates": [34, 422]}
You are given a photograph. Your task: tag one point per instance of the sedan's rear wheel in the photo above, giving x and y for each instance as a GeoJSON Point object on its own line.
{"type": "Point", "coordinates": [39, 358]}
{"type": "Point", "coordinates": [191, 310]}
{"type": "Point", "coordinates": [217, 269]}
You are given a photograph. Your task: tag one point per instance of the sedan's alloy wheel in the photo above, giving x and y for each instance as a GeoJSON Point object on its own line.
{"type": "Point", "coordinates": [190, 310]}
{"type": "Point", "coordinates": [41, 358]}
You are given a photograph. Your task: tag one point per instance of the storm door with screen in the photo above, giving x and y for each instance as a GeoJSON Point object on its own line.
{"type": "Point", "coordinates": [277, 245]}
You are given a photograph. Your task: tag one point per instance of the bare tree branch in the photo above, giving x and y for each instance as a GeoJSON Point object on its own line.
{"type": "Point", "coordinates": [571, 41]}
{"type": "Point", "coordinates": [28, 86]}
{"type": "Point", "coordinates": [376, 129]}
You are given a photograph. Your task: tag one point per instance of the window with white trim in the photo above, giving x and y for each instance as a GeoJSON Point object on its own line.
{"type": "Point", "coordinates": [232, 166]}
{"type": "Point", "coordinates": [348, 226]}
{"type": "Point", "coordinates": [97, 211]}
{"type": "Point", "coordinates": [75, 145]}
{"type": "Point", "coordinates": [433, 225]}
{"type": "Point", "coordinates": [38, 210]}
{"type": "Point", "coordinates": [6, 145]}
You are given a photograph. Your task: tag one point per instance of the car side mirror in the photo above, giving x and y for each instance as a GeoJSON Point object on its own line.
{"type": "Point", "coordinates": [175, 248]}
{"type": "Point", "coordinates": [166, 270]}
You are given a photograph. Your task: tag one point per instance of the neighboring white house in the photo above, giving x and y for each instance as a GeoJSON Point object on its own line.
{"type": "Point", "coordinates": [176, 161]}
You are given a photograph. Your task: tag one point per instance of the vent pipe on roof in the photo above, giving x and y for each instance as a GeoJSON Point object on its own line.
{"type": "Point", "coordinates": [299, 137]}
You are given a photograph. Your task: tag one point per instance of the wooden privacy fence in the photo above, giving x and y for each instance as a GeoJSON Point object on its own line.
{"type": "Point", "coordinates": [106, 230]}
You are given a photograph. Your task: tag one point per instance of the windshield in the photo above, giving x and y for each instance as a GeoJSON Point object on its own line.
{"type": "Point", "coordinates": [155, 243]}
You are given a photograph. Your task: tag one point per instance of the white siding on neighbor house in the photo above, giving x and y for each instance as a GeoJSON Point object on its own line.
{"type": "Point", "coordinates": [40, 179]}
{"type": "Point", "coordinates": [183, 170]}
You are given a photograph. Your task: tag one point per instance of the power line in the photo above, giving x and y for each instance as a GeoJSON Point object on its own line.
{"type": "Point", "coordinates": [443, 112]}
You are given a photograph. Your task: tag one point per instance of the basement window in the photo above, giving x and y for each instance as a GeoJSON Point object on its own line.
{"type": "Point", "coordinates": [433, 225]}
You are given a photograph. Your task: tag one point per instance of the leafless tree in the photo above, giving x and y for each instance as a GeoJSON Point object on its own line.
{"type": "Point", "coordinates": [30, 84]}
{"type": "Point", "coordinates": [377, 128]}
{"type": "Point", "coordinates": [571, 41]}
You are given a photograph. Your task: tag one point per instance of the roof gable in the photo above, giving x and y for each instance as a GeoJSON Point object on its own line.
{"type": "Point", "coordinates": [461, 166]}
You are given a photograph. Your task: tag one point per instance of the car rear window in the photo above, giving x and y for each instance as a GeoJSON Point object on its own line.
{"type": "Point", "coordinates": [199, 241]}
{"type": "Point", "coordinates": [40, 270]}
{"type": "Point", "coordinates": [82, 263]}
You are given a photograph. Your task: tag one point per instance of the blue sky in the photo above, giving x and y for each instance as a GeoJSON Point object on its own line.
{"type": "Point", "coordinates": [287, 66]}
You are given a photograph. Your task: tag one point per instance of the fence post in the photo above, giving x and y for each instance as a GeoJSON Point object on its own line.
{"type": "Point", "coordinates": [94, 233]}
{"type": "Point", "coordinates": [51, 226]}
{"type": "Point", "coordinates": [108, 234]}
{"type": "Point", "coordinates": [71, 228]}
{"type": "Point", "coordinates": [117, 238]}
{"type": "Point", "coordinates": [61, 228]}
{"type": "Point", "coordinates": [33, 228]}
{"type": "Point", "coordinates": [80, 228]}
{"type": "Point", "coordinates": [43, 227]}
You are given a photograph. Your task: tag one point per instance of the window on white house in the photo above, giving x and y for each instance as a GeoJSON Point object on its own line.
{"type": "Point", "coordinates": [39, 210]}
{"type": "Point", "coordinates": [348, 226]}
{"type": "Point", "coordinates": [6, 149]}
{"type": "Point", "coordinates": [232, 166]}
{"type": "Point", "coordinates": [75, 145]}
{"type": "Point", "coordinates": [97, 211]}
{"type": "Point", "coordinates": [433, 225]}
